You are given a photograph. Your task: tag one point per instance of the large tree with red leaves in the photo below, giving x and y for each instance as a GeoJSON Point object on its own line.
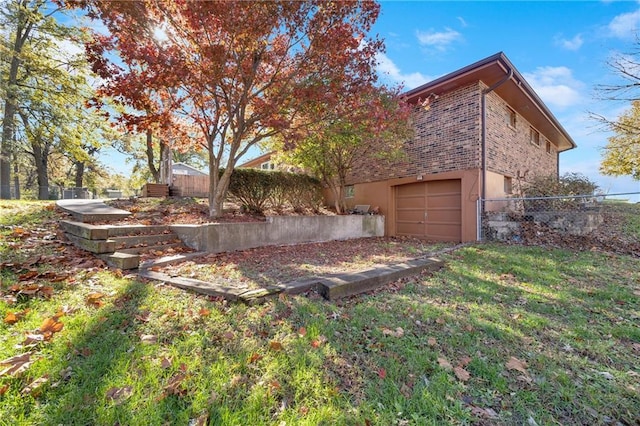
{"type": "Point", "coordinates": [239, 71]}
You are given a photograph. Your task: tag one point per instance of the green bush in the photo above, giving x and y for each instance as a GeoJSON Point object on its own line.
{"type": "Point", "coordinates": [258, 190]}
{"type": "Point", "coordinates": [567, 186]}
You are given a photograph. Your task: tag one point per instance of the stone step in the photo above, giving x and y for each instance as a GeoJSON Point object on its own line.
{"type": "Point", "coordinates": [93, 246]}
{"type": "Point", "coordinates": [131, 230]}
{"type": "Point", "coordinates": [135, 241]}
{"type": "Point", "coordinates": [121, 260]}
{"type": "Point", "coordinates": [85, 230]}
{"type": "Point", "coordinates": [151, 249]}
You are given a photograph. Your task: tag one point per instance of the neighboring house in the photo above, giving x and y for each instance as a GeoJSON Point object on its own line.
{"type": "Point", "coordinates": [262, 162]}
{"type": "Point", "coordinates": [479, 130]}
{"type": "Point", "coordinates": [185, 169]}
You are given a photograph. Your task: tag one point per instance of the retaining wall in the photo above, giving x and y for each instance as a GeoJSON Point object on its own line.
{"type": "Point", "coordinates": [278, 230]}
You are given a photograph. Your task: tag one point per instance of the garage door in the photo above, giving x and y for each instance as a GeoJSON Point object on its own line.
{"type": "Point", "coordinates": [430, 210]}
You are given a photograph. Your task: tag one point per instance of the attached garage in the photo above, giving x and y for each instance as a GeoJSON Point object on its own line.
{"type": "Point", "coordinates": [430, 210]}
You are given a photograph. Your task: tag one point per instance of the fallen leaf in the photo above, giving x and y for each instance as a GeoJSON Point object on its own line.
{"type": "Point", "coordinates": [33, 387]}
{"type": "Point", "coordinates": [274, 384]}
{"type": "Point", "coordinates": [462, 374]}
{"type": "Point", "coordinates": [203, 420]}
{"type": "Point", "coordinates": [28, 275]}
{"type": "Point", "coordinates": [440, 321]}
{"type": "Point", "coordinates": [174, 386]}
{"type": "Point", "coordinates": [382, 373]}
{"type": "Point", "coordinates": [10, 318]}
{"type": "Point", "coordinates": [4, 389]}
{"type": "Point", "coordinates": [464, 361]}
{"type": "Point", "coordinates": [165, 363]}
{"type": "Point", "coordinates": [302, 332]}
{"type": "Point", "coordinates": [16, 364]}
{"type": "Point", "coordinates": [398, 332]}
{"type": "Point", "coordinates": [51, 325]}
{"type": "Point", "coordinates": [445, 364]}
{"type": "Point", "coordinates": [319, 341]}
{"type": "Point", "coordinates": [255, 357]}
{"type": "Point", "coordinates": [148, 338]}
{"type": "Point", "coordinates": [204, 312]}
{"type": "Point", "coordinates": [431, 341]}
{"type": "Point", "coordinates": [275, 346]}
{"type": "Point", "coordinates": [228, 335]}
{"type": "Point", "coordinates": [515, 364]}
{"type": "Point", "coordinates": [94, 299]}
{"type": "Point", "coordinates": [118, 395]}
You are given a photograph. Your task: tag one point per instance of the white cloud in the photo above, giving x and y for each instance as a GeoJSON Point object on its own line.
{"type": "Point", "coordinates": [570, 44]}
{"type": "Point", "coordinates": [438, 40]}
{"type": "Point", "coordinates": [556, 86]}
{"type": "Point", "coordinates": [462, 22]}
{"type": "Point", "coordinates": [625, 26]}
{"type": "Point", "coordinates": [388, 68]}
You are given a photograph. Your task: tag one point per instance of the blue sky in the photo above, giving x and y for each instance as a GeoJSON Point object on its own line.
{"type": "Point", "coordinates": [561, 48]}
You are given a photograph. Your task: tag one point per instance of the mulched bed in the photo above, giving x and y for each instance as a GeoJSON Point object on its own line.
{"type": "Point", "coordinates": [278, 264]}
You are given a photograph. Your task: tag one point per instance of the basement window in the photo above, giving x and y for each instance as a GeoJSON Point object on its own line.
{"type": "Point", "coordinates": [349, 191]}
{"type": "Point", "coordinates": [508, 185]}
{"type": "Point", "coordinates": [534, 136]}
{"type": "Point", "coordinates": [511, 117]}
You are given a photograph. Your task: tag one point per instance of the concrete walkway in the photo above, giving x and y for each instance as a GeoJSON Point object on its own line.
{"type": "Point", "coordinates": [91, 210]}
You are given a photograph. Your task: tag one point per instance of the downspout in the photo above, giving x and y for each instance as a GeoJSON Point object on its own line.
{"type": "Point", "coordinates": [483, 140]}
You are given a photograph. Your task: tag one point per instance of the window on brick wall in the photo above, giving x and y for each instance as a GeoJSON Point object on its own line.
{"type": "Point", "coordinates": [548, 147]}
{"type": "Point", "coordinates": [511, 117]}
{"type": "Point", "coordinates": [508, 185]}
{"type": "Point", "coordinates": [534, 136]}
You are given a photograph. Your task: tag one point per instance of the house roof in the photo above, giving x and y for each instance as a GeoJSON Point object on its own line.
{"type": "Point", "coordinates": [515, 91]}
{"type": "Point", "coordinates": [258, 160]}
{"type": "Point", "coordinates": [186, 166]}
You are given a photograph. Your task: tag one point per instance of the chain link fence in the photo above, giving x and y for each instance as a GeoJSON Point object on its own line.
{"type": "Point", "coordinates": [612, 220]}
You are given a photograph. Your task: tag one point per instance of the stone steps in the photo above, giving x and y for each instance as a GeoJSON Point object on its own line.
{"type": "Point", "coordinates": [121, 246]}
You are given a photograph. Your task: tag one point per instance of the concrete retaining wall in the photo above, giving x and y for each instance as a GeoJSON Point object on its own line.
{"type": "Point", "coordinates": [278, 230]}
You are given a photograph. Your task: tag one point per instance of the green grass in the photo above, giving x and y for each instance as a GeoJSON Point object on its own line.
{"type": "Point", "coordinates": [571, 317]}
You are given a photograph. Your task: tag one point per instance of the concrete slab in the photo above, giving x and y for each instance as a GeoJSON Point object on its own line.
{"type": "Point", "coordinates": [91, 210]}
{"type": "Point", "coordinates": [85, 230]}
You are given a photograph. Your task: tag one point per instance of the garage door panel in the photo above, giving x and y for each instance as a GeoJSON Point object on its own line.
{"type": "Point", "coordinates": [410, 215]}
{"type": "Point", "coordinates": [431, 210]}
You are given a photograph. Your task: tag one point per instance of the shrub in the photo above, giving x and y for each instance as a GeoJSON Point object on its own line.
{"type": "Point", "coordinates": [257, 190]}
{"type": "Point", "coordinates": [569, 185]}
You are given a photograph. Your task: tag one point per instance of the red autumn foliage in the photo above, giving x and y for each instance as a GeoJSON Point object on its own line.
{"type": "Point", "coordinates": [235, 72]}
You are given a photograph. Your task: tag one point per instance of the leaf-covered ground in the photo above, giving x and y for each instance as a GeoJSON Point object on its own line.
{"type": "Point", "coordinates": [279, 264]}
{"type": "Point", "coordinates": [502, 335]}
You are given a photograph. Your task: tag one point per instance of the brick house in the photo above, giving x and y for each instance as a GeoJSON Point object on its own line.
{"type": "Point", "coordinates": [479, 131]}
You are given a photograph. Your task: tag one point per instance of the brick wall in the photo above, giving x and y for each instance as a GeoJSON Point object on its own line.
{"type": "Point", "coordinates": [447, 139]}
{"type": "Point", "coordinates": [509, 149]}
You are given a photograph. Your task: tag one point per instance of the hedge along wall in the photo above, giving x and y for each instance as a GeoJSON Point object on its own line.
{"type": "Point", "coordinates": [258, 190]}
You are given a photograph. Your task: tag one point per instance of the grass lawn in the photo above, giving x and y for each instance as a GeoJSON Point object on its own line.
{"type": "Point", "coordinates": [502, 335]}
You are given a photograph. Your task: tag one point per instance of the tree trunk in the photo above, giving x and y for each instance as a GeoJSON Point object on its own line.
{"type": "Point", "coordinates": [16, 176]}
{"type": "Point", "coordinates": [150, 158]}
{"type": "Point", "coordinates": [10, 108]}
{"type": "Point", "coordinates": [79, 176]}
{"type": "Point", "coordinates": [41, 159]}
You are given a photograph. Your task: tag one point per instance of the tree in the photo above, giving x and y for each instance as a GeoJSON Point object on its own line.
{"type": "Point", "coordinates": [371, 126]}
{"type": "Point", "coordinates": [621, 155]}
{"type": "Point", "coordinates": [239, 72]}
{"type": "Point", "coordinates": [47, 88]}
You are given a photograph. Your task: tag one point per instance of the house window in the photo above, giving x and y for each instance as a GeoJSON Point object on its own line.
{"type": "Point", "coordinates": [534, 136]}
{"type": "Point", "coordinates": [508, 185]}
{"type": "Point", "coordinates": [267, 166]}
{"type": "Point", "coordinates": [548, 145]}
{"type": "Point", "coordinates": [511, 117]}
{"type": "Point", "coordinates": [349, 191]}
